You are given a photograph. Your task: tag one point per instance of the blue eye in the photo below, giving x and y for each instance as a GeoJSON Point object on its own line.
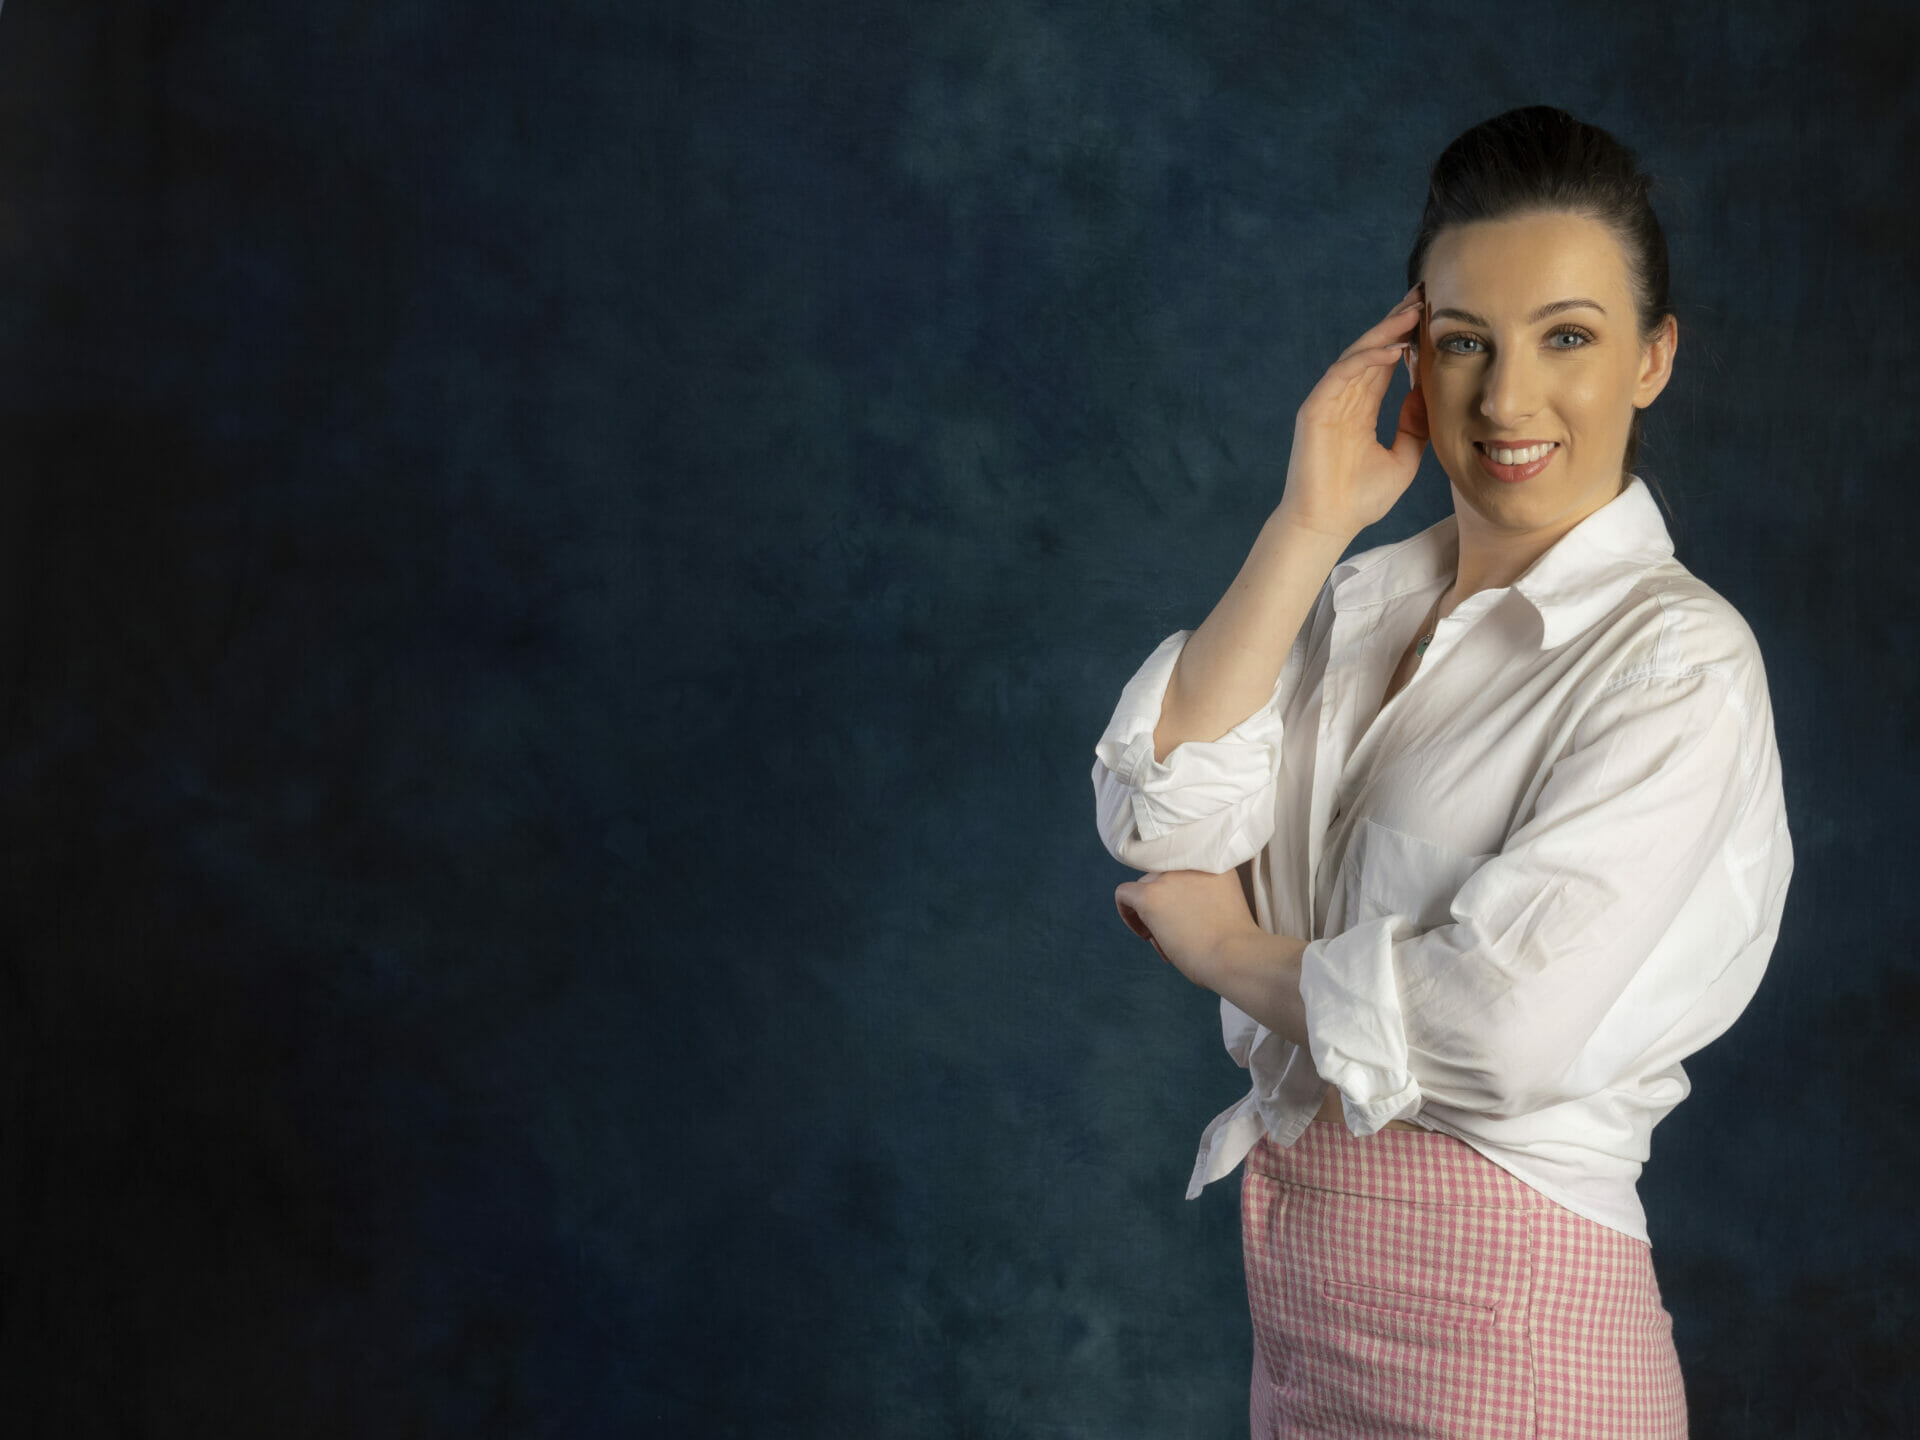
{"type": "Point", "coordinates": [1456, 343]}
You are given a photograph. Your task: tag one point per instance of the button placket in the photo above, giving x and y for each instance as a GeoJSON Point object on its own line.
{"type": "Point", "coordinates": [1330, 758]}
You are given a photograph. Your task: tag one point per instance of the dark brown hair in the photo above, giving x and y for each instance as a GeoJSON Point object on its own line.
{"type": "Point", "coordinates": [1541, 158]}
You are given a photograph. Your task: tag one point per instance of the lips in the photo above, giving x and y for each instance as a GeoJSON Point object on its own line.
{"type": "Point", "coordinates": [1511, 452]}
{"type": "Point", "coordinates": [1514, 473]}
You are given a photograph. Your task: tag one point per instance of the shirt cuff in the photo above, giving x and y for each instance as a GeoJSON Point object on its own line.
{"type": "Point", "coordinates": [1355, 1026]}
{"type": "Point", "coordinates": [1198, 779]}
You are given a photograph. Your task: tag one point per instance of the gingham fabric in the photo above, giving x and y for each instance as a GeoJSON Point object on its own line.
{"type": "Point", "coordinates": [1403, 1285]}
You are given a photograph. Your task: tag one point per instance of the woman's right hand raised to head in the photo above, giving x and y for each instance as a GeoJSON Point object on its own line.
{"type": "Point", "coordinates": [1340, 478]}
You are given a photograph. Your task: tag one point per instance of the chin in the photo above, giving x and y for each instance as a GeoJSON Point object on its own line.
{"type": "Point", "coordinates": [1510, 505]}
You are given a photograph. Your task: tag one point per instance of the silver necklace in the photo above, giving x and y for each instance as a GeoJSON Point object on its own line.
{"type": "Point", "coordinates": [1432, 626]}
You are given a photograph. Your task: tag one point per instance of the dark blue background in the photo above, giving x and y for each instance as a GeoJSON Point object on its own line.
{"type": "Point", "coordinates": [563, 565]}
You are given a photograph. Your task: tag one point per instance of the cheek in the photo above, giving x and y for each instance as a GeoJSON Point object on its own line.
{"type": "Point", "coordinates": [1601, 398]}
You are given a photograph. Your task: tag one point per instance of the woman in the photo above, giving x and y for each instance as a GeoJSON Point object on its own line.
{"type": "Point", "coordinates": [1508, 803]}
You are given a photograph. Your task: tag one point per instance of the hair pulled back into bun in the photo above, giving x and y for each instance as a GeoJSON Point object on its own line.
{"type": "Point", "coordinates": [1541, 158]}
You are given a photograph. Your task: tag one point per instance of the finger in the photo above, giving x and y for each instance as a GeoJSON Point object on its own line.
{"type": "Point", "coordinates": [1145, 934]}
{"type": "Point", "coordinates": [1130, 916]}
{"type": "Point", "coordinates": [1396, 325]}
{"type": "Point", "coordinates": [1396, 322]}
{"type": "Point", "coordinates": [1358, 363]}
{"type": "Point", "coordinates": [1364, 374]}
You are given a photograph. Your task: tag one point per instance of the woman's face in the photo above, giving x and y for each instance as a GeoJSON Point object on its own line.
{"type": "Point", "coordinates": [1531, 339]}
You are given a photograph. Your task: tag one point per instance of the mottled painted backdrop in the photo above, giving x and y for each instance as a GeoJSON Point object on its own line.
{"type": "Point", "coordinates": [563, 564]}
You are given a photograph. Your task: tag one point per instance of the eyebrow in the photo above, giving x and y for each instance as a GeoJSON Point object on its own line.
{"type": "Point", "coordinates": [1542, 313]}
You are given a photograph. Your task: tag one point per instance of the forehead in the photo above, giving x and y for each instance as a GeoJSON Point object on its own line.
{"type": "Point", "coordinates": [1512, 265]}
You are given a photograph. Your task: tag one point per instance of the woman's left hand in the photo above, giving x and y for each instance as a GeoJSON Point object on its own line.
{"type": "Point", "coordinates": [1186, 915]}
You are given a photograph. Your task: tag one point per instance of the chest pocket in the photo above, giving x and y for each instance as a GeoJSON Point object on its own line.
{"type": "Point", "coordinates": [1389, 872]}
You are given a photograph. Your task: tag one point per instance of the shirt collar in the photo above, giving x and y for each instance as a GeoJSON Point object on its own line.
{"type": "Point", "coordinates": [1580, 578]}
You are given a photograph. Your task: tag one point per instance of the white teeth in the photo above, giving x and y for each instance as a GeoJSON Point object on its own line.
{"type": "Point", "coordinates": [1519, 457]}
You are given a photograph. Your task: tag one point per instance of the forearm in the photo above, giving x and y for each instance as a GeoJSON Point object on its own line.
{"type": "Point", "coordinates": [1260, 973]}
{"type": "Point", "coordinates": [1229, 666]}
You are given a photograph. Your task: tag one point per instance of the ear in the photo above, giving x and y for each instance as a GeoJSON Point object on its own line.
{"type": "Point", "coordinates": [1656, 363]}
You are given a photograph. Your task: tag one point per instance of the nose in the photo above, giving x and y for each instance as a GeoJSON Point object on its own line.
{"type": "Point", "coordinates": [1510, 390]}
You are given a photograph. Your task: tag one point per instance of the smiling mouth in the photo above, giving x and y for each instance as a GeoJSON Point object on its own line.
{"type": "Point", "coordinates": [1517, 455]}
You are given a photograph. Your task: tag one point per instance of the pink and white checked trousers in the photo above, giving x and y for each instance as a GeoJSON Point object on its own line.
{"type": "Point", "coordinates": [1404, 1285]}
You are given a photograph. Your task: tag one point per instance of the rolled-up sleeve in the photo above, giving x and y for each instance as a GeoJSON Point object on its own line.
{"type": "Point", "coordinates": [1207, 806]}
{"type": "Point", "coordinates": [1665, 801]}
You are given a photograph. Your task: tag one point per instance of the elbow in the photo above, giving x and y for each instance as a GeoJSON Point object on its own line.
{"type": "Point", "coordinates": [1115, 816]}
{"type": "Point", "coordinates": [1214, 835]}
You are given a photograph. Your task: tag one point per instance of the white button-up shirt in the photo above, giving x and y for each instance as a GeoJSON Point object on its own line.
{"type": "Point", "coordinates": [1551, 867]}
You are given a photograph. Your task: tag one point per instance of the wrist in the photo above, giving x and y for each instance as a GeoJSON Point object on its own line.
{"type": "Point", "coordinates": [1233, 958]}
{"type": "Point", "coordinates": [1305, 529]}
